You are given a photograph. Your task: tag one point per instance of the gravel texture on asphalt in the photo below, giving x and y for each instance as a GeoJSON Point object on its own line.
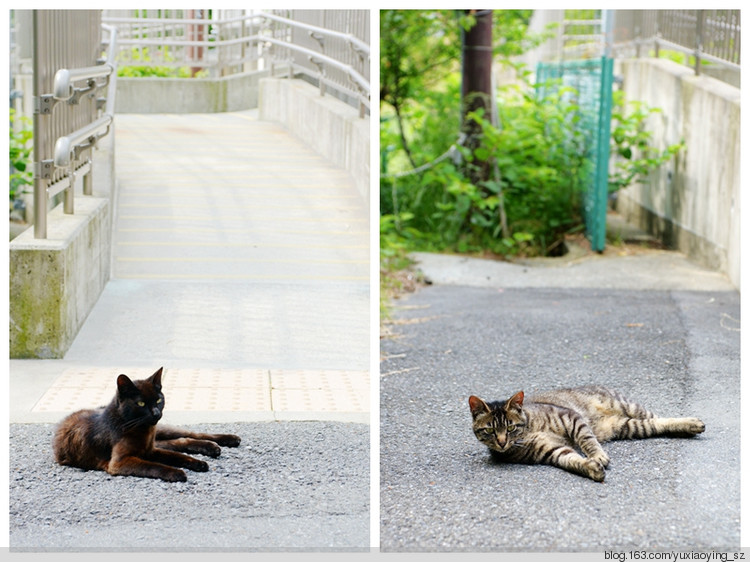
{"type": "Point", "coordinates": [678, 353]}
{"type": "Point", "coordinates": [289, 485]}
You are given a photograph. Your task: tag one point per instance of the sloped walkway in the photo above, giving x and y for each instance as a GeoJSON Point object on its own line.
{"type": "Point", "coordinates": [240, 265]}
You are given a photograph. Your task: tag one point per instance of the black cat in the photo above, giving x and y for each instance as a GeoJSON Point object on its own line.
{"type": "Point", "coordinates": [122, 438]}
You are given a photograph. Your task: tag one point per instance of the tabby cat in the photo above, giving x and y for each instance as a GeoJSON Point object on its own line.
{"type": "Point", "coordinates": [122, 438]}
{"type": "Point", "coordinates": [549, 427]}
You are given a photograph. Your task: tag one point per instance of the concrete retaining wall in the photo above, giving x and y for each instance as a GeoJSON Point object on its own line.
{"type": "Point", "coordinates": [55, 282]}
{"type": "Point", "coordinates": [188, 95]}
{"type": "Point", "coordinates": [693, 203]}
{"type": "Point", "coordinates": [330, 126]}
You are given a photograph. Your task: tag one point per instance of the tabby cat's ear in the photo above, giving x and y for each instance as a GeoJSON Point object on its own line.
{"type": "Point", "coordinates": [125, 386]}
{"type": "Point", "coordinates": [156, 378]}
{"type": "Point", "coordinates": [478, 406]}
{"type": "Point", "coordinates": [516, 401]}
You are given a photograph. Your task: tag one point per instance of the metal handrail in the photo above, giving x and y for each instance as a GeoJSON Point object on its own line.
{"type": "Point", "coordinates": [361, 45]}
{"type": "Point", "coordinates": [109, 108]}
{"type": "Point", "coordinates": [355, 76]}
{"type": "Point", "coordinates": [63, 85]}
{"type": "Point", "coordinates": [361, 85]}
{"type": "Point", "coordinates": [68, 148]}
{"type": "Point", "coordinates": [703, 29]}
{"type": "Point", "coordinates": [660, 41]}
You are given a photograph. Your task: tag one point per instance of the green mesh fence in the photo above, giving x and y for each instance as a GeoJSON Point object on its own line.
{"type": "Point", "coordinates": [592, 80]}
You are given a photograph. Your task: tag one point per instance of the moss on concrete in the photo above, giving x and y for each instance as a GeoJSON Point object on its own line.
{"type": "Point", "coordinates": [51, 284]}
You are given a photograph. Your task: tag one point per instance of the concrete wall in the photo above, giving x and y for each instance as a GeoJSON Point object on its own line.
{"type": "Point", "coordinates": [331, 127]}
{"type": "Point", "coordinates": [55, 282]}
{"type": "Point", "coordinates": [188, 95]}
{"type": "Point", "coordinates": [693, 203]}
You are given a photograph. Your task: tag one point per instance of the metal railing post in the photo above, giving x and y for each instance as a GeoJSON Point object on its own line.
{"type": "Point", "coordinates": [40, 184]}
{"type": "Point", "coordinates": [54, 44]}
{"type": "Point", "coordinates": [88, 181]}
{"type": "Point", "coordinates": [69, 201]}
{"type": "Point", "coordinates": [701, 15]}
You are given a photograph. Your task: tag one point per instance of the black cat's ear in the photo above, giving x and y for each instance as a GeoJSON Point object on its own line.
{"type": "Point", "coordinates": [125, 387]}
{"type": "Point", "coordinates": [516, 401]}
{"type": "Point", "coordinates": [156, 378]}
{"type": "Point", "coordinates": [478, 406]}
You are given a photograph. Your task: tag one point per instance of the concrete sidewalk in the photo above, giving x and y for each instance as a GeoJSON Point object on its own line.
{"type": "Point", "coordinates": [240, 265]}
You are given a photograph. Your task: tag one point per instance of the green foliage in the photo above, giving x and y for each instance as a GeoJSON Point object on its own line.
{"type": "Point", "coordinates": [20, 154]}
{"type": "Point", "coordinates": [680, 57]}
{"type": "Point", "coordinates": [144, 55]}
{"type": "Point", "coordinates": [420, 82]}
{"type": "Point", "coordinates": [582, 29]}
{"type": "Point", "coordinates": [532, 199]}
{"type": "Point", "coordinates": [631, 147]}
{"type": "Point", "coordinates": [533, 196]}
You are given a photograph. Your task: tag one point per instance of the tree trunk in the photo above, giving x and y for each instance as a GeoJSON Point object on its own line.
{"type": "Point", "coordinates": [476, 85]}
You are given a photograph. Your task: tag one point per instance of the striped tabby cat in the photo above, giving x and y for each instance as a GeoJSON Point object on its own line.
{"type": "Point", "coordinates": [549, 427]}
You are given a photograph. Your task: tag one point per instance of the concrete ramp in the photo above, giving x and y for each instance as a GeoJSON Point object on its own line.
{"type": "Point", "coordinates": [235, 247]}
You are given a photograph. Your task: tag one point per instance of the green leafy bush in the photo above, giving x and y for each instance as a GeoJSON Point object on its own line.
{"type": "Point", "coordinates": [20, 154]}
{"type": "Point", "coordinates": [163, 71]}
{"type": "Point", "coordinates": [631, 149]}
{"type": "Point", "coordinates": [530, 201]}
{"type": "Point", "coordinates": [533, 196]}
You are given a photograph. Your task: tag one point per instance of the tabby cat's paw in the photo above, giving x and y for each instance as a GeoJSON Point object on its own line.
{"type": "Point", "coordinates": [601, 457]}
{"type": "Point", "coordinates": [594, 470]}
{"type": "Point", "coordinates": [694, 426]}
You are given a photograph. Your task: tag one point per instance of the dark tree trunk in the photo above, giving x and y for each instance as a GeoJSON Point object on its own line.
{"type": "Point", "coordinates": [476, 86]}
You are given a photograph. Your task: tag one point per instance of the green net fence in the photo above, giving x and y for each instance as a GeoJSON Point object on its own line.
{"type": "Point", "coordinates": [591, 81]}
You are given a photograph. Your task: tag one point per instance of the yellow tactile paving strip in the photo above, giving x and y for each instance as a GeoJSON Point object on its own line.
{"type": "Point", "coordinates": [225, 390]}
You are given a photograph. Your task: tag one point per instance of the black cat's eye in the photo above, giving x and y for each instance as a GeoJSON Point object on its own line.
{"type": "Point", "coordinates": [141, 403]}
{"type": "Point", "coordinates": [158, 401]}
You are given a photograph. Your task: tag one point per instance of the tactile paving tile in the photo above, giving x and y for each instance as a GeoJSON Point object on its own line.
{"type": "Point", "coordinates": [185, 389]}
{"type": "Point", "coordinates": [323, 391]}
{"type": "Point", "coordinates": [311, 400]}
{"type": "Point", "coordinates": [227, 390]}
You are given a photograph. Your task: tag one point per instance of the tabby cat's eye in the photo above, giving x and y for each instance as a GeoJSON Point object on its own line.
{"type": "Point", "coordinates": [511, 427]}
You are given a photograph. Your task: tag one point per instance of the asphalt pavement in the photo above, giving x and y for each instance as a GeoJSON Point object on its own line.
{"type": "Point", "coordinates": [655, 326]}
{"type": "Point", "coordinates": [288, 486]}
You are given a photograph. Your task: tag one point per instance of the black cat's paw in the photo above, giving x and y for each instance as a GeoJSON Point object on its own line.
{"type": "Point", "coordinates": [211, 450]}
{"type": "Point", "coordinates": [228, 440]}
{"type": "Point", "coordinates": [198, 466]}
{"type": "Point", "coordinates": [174, 475]}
